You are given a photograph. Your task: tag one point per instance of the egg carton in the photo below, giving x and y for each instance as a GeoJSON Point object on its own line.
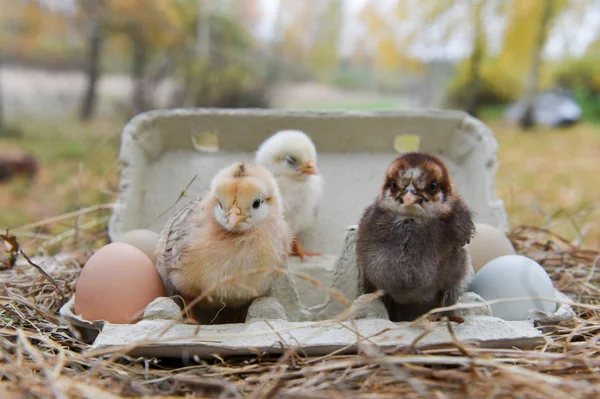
{"type": "Point", "coordinates": [170, 156]}
{"type": "Point", "coordinates": [281, 321]}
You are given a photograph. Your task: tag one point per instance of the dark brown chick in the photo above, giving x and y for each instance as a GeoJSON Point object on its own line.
{"type": "Point", "coordinates": [411, 240]}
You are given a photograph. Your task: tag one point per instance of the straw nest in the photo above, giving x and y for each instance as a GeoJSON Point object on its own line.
{"type": "Point", "coordinates": [42, 356]}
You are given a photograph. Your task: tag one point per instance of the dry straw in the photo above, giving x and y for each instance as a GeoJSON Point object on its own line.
{"type": "Point", "coordinates": [42, 356]}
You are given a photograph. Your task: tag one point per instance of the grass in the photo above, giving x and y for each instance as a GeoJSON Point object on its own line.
{"type": "Point", "coordinates": [492, 113]}
{"type": "Point", "coordinates": [550, 178]}
{"type": "Point", "coordinates": [78, 168]}
{"type": "Point", "coordinates": [373, 105]}
{"type": "Point", "coordinates": [590, 104]}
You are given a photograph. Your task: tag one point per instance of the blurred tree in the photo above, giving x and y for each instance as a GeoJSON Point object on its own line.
{"type": "Point", "coordinates": [7, 27]}
{"type": "Point", "coordinates": [37, 35]}
{"type": "Point", "coordinates": [297, 26]}
{"type": "Point", "coordinates": [92, 14]}
{"type": "Point", "coordinates": [528, 25]}
{"type": "Point", "coordinates": [28, 32]}
{"type": "Point", "coordinates": [324, 54]}
{"type": "Point", "coordinates": [249, 13]}
{"type": "Point", "coordinates": [398, 31]}
{"type": "Point", "coordinates": [396, 28]}
{"type": "Point", "coordinates": [233, 74]}
{"type": "Point", "coordinates": [498, 85]}
{"type": "Point", "coordinates": [545, 11]}
{"type": "Point", "coordinates": [205, 45]}
{"type": "Point", "coordinates": [274, 51]}
{"type": "Point", "coordinates": [475, 60]}
{"type": "Point", "coordinates": [203, 22]}
{"type": "Point", "coordinates": [310, 33]}
{"type": "Point", "coordinates": [581, 75]}
{"type": "Point", "coordinates": [152, 27]}
{"type": "Point", "coordinates": [2, 124]}
{"type": "Point", "coordinates": [388, 36]}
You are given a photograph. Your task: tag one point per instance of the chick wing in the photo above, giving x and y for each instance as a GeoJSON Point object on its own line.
{"type": "Point", "coordinates": [172, 244]}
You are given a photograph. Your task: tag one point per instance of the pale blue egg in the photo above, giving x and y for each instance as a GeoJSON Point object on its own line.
{"type": "Point", "coordinates": [514, 276]}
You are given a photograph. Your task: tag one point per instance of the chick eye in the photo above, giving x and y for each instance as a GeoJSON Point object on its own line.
{"type": "Point", "coordinates": [291, 160]}
{"type": "Point", "coordinates": [220, 205]}
{"type": "Point", "coordinates": [393, 186]}
{"type": "Point", "coordinates": [256, 204]}
{"type": "Point", "coordinates": [432, 187]}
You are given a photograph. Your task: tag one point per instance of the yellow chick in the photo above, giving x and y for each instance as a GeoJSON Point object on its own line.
{"type": "Point", "coordinates": [236, 228]}
{"type": "Point", "coordinates": [292, 158]}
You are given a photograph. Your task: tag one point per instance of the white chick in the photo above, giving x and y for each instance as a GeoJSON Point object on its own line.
{"type": "Point", "coordinates": [212, 246]}
{"type": "Point", "coordinates": [292, 158]}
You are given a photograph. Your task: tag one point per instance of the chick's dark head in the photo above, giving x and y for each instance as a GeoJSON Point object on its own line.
{"type": "Point", "coordinates": [417, 184]}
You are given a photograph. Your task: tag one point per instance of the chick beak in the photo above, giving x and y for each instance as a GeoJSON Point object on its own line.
{"type": "Point", "coordinates": [235, 216]}
{"type": "Point", "coordinates": [309, 169]}
{"type": "Point", "coordinates": [410, 198]}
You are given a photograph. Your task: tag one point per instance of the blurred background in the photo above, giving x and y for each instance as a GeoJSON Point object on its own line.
{"type": "Point", "coordinates": [73, 72]}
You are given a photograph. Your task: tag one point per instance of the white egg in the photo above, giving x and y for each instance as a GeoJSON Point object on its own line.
{"type": "Point", "coordinates": [514, 276]}
{"type": "Point", "coordinates": [488, 244]}
{"type": "Point", "coordinates": [144, 240]}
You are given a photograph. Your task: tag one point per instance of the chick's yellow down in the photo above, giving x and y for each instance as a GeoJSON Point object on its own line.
{"type": "Point", "coordinates": [228, 243]}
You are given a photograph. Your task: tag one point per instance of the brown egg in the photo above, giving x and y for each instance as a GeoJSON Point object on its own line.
{"type": "Point", "coordinates": [116, 284]}
{"type": "Point", "coordinates": [144, 240]}
{"type": "Point", "coordinates": [489, 243]}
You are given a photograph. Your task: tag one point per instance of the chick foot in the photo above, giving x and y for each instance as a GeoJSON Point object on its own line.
{"type": "Point", "coordinates": [440, 316]}
{"type": "Point", "coordinates": [452, 315]}
{"type": "Point", "coordinates": [298, 250]}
